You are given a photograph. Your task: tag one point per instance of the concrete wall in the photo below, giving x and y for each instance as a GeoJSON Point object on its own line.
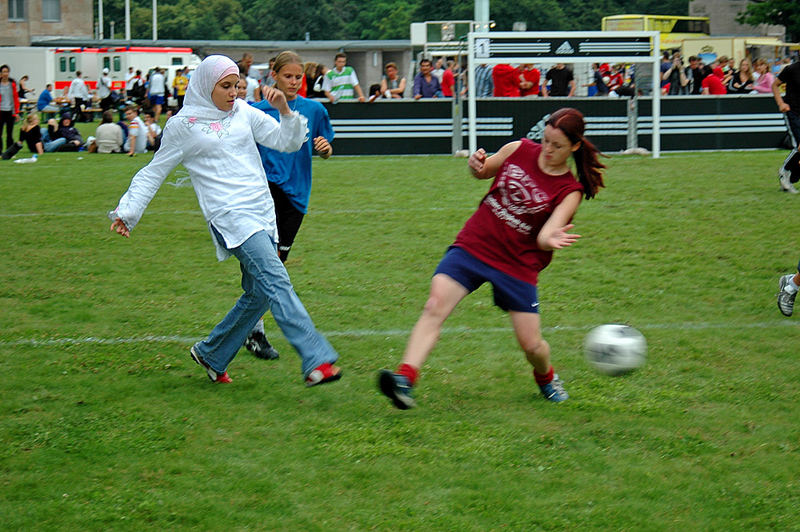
{"type": "Point", "coordinates": [723, 18]}
{"type": "Point", "coordinates": [76, 21]}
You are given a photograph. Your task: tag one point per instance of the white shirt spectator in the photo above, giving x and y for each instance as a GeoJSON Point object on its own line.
{"type": "Point", "coordinates": [78, 89]}
{"type": "Point", "coordinates": [157, 85]}
{"type": "Point", "coordinates": [252, 87]}
{"type": "Point", "coordinates": [103, 86]}
{"type": "Point", "coordinates": [138, 135]}
{"type": "Point", "coordinates": [108, 138]}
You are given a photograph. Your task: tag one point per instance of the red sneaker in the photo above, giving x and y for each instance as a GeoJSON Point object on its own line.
{"type": "Point", "coordinates": [322, 374]}
{"type": "Point", "coordinates": [224, 378]}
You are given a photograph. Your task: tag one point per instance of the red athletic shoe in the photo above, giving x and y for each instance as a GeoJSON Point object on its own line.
{"type": "Point", "coordinates": [322, 374]}
{"type": "Point", "coordinates": [224, 378]}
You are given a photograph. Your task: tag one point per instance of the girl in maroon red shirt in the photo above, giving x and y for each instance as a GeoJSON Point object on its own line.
{"type": "Point", "coordinates": [523, 218]}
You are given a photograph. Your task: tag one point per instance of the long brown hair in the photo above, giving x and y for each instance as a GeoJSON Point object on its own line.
{"type": "Point", "coordinates": [570, 122]}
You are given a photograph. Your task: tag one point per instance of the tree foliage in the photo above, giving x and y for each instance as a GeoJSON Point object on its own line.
{"type": "Point", "coordinates": [780, 12]}
{"type": "Point", "coordinates": [272, 20]}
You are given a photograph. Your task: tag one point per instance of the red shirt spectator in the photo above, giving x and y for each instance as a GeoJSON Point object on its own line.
{"type": "Point", "coordinates": [713, 84]}
{"type": "Point", "coordinates": [448, 81]}
{"type": "Point", "coordinates": [530, 75]}
{"type": "Point", "coordinates": [506, 81]}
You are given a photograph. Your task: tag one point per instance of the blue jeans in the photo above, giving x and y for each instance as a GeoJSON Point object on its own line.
{"type": "Point", "coordinates": [51, 145]}
{"type": "Point", "coordinates": [266, 285]}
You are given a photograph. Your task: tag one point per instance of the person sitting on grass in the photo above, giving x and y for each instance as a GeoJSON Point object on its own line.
{"type": "Point", "coordinates": [108, 136]}
{"type": "Point", "coordinates": [523, 218]}
{"type": "Point", "coordinates": [136, 141]}
{"type": "Point", "coordinates": [214, 136]}
{"type": "Point", "coordinates": [65, 129]}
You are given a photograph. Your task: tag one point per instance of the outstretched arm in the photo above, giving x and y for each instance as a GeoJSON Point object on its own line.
{"type": "Point", "coordinates": [483, 167]}
{"type": "Point", "coordinates": [553, 234]}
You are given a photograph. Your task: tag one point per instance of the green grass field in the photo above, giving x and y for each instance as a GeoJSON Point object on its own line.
{"type": "Point", "coordinates": [105, 422]}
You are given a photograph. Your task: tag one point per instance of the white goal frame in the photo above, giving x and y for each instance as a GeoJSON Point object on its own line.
{"type": "Point", "coordinates": [495, 48]}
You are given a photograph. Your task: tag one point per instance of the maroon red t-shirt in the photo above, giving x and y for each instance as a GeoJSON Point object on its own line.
{"type": "Point", "coordinates": [502, 232]}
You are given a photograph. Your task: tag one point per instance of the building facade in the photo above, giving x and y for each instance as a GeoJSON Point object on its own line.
{"type": "Point", "coordinates": [23, 20]}
{"type": "Point", "coordinates": [723, 15]}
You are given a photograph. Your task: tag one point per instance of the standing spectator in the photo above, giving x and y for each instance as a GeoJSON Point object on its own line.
{"type": "Point", "coordinates": [763, 84]}
{"type": "Point", "coordinates": [23, 88]}
{"type": "Point", "coordinates": [789, 104]}
{"type": "Point", "coordinates": [9, 105]}
{"type": "Point", "coordinates": [253, 89]}
{"type": "Point", "coordinates": [506, 79]}
{"type": "Point", "coordinates": [426, 85]}
{"type": "Point", "coordinates": [157, 91]}
{"type": "Point", "coordinates": [179, 85]}
{"type": "Point", "coordinates": [128, 77]}
{"type": "Point", "coordinates": [742, 81]}
{"type": "Point", "coordinates": [712, 83]}
{"type": "Point", "coordinates": [342, 82]}
{"type": "Point", "coordinates": [529, 80]}
{"type": "Point", "coordinates": [137, 132]}
{"type": "Point", "coordinates": [525, 216]}
{"type": "Point", "coordinates": [484, 86]}
{"type": "Point", "coordinates": [108, 136]}
{"type": "Point", "coordinates": [268, 80]}
{"type": "Point", "coordinates": [134, 87]}
{"type": "Point", "coordinates": [448, 80]}
{"type": "Point", "coordinates": [246, 65]}
{"type": "Point", "coordinates": [698, 73]}
{"type": "Point", "coordinates": [561, 80]}
{"type": "Point", "coordinates": [392, 86]}
{"type": "Point", "coordinates": [598, 81]}
{"type": "Point", "coordinates": [676, 76]}
{"type": "Point", "coordinates": [315, 79]}
{"type": "Point", "coordinates": [64, 128]}
{"type": "Point", "coordinates": [438, 70]}
{"type": "Point", "coordinates": [79, 94]}
{"type": "Point", "coordinates": [666, 63]}
{"type": "Point", "coordinates": [104, 91]}
{"type": "Point", "coordinates": [44, 104]}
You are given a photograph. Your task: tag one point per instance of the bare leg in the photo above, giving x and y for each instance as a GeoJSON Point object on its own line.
{"type": "Point", "coordinates": [527, 326]}
{"type": "Point", "coordinates": [445, 294]}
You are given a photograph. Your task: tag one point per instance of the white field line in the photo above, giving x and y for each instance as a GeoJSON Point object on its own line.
{"type": "Point", "coordinates": [366, 211]}
{"type": "Point", "coordinates": [686, 326]}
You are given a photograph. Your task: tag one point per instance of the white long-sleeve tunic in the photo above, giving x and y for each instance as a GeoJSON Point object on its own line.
{"type": "Point", "coordinates": [225, 169]}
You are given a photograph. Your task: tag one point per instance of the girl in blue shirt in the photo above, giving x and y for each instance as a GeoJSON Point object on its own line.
{"type": "Point", "coordinates": [289, 174]}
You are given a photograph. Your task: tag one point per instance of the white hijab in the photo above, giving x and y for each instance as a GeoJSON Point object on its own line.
{"type": "Point", "coordinates": [198, 103]}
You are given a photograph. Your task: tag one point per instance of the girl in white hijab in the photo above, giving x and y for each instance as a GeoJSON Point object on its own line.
{"type": "Point", "coordinates": [214, 136]}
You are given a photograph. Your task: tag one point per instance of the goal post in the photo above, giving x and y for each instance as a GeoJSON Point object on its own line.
{"type": "Point", "coordinates": [495, 48]}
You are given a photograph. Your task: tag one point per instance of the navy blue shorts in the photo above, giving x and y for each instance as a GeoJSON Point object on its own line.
{"type": "Point", "coordinates": [157, 99]}
{"type": "Point", "coordinates": [509, 293]}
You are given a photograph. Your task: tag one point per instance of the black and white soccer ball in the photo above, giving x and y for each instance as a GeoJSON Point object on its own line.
{"type": "Point", "coordinates": [614, 349]}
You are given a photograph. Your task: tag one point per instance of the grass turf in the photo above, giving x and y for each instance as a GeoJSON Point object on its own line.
{"type": "Point", "coordinates": [105, 423]}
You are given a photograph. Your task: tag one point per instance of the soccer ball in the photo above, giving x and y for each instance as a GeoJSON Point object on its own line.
{"type": "Point", "coordinates": [614, 349]}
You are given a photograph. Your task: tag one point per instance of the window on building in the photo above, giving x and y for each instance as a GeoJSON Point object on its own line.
{"type": "Point", "coordinates": [51, 10]}
{"type": "Point", "coordinates": [16, 9]}
{"type": "Point", "coordinates": [62, 64]}
{"type": "Point", "coordinates": [107, 62]}
{"type": "Point", "coordinates": [177, 61]}
{"type": "Point", "coordinates": [72, 63]}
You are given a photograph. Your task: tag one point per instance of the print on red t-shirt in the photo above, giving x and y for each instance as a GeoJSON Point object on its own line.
{"type": "Point", "coordinates": [502, 232]}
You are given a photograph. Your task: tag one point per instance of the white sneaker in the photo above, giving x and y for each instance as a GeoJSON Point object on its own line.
{"type": "Point", "coordinates": [785, 299]}
{"type": "Point", "coordinates": [786, 181]}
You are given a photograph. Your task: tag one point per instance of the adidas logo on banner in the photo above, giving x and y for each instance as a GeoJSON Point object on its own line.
{"type": "Point", "coordinates": [565, 49]}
